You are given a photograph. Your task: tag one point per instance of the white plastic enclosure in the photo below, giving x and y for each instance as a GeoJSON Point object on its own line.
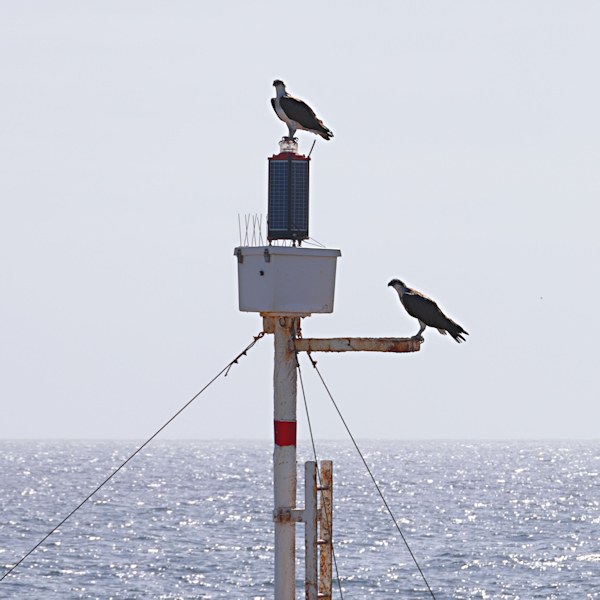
{"type": "Point", "coordinates": [286, 279]}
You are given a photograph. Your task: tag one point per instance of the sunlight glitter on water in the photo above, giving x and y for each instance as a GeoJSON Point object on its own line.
{"type": "Point", "coordinates": [485, 520]}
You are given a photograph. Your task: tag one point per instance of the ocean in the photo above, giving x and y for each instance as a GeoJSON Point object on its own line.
{"type": "Point", "coordinates": [193, 519]}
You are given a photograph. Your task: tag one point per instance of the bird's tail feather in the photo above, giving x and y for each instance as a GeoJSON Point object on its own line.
{"type": "Point", "coordinates": [323, 131]}
{"type": "Point", "coordinates": [457, 332]}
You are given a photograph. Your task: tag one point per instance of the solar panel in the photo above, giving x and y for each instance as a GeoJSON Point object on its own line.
{"type": "Point", "coordinates": [288, 198]}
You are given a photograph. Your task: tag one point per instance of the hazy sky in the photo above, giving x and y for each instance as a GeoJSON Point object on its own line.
{"type": "Point", "coordinates": [465, 161]}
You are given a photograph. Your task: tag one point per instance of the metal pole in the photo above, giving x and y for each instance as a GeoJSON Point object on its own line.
{"type": "Point", "coordinates": [326, 528]}
{"type": "Point", "coordinates": [284, 458]}
{"type": "Point", "coordinates": [310, 530]}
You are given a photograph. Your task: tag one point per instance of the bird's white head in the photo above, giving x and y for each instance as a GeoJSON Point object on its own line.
{"type": "Point", "coordinates": [279, 87]}
{"type": "Point", "coordinates": [398, 285]}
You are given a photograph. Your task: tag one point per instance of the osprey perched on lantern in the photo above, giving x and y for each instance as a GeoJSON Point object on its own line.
{"type": "Point", "coordinates": [296, 114]}
{"type": "Point", "coordinates": [427, 312]}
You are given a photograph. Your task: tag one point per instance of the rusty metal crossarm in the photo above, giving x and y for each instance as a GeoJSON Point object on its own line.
{"type": "Point", "coordinates": [357, 344]}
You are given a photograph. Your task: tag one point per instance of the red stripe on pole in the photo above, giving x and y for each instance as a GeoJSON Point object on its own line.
{"type": "Point", "coordinates": [285, 433]}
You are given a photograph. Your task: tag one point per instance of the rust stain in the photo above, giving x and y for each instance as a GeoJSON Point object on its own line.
{"type": "Point", "coordinates": [348, 344]}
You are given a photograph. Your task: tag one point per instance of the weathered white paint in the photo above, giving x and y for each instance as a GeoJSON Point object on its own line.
{"type": "Point", "coordinates": [310, 530]}
{"type": "Point", "coordinates": [326, 530]}
{"type": "Point", "coordinates": [284, 461]}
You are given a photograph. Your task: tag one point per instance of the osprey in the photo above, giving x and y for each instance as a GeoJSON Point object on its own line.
{"type": "Point", "coordinates": [296, 114]}
{"type": "Point", "coordinates": [427, 312]}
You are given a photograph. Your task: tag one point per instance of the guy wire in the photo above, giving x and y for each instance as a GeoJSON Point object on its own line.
{"type": "Point", "coordinates": [223, 370]}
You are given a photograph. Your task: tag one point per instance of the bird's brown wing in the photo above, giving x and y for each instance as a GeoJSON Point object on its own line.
{"type": "Point", "coordinates": [425, 309]}
{"type": "Point", "coordinates": [299, 111]}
